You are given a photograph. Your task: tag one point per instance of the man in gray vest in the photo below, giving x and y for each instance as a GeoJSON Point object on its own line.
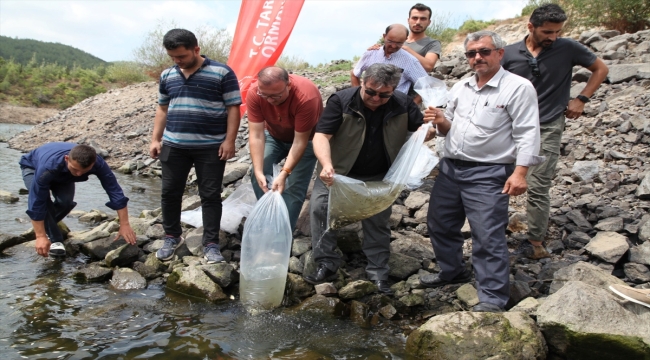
{"type": "Point", "coordinates": [359, 135]}
{"type": "Point", "coordinates": [547, 61]}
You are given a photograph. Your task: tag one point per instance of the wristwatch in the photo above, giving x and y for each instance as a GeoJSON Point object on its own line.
{"type": "Point", "coordinates": [583, 98]}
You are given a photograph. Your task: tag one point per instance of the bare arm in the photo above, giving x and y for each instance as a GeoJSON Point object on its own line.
{"type": "Point", "coordinates": [428, 61]}
{"type": "Point", "coordinates": [159, 123]}
{"type": "Point", "coordinates": [300, 141]}
{"type": "Point", "coordinates": [599, 72]}
{"type": "Point", "coordinates": [42, 242]}
{"type": "Point", "coordinates": [256, 143]}
{"type": "Point", "coordinates": [125, 227]}
{"type": "Point", "coordinates": [227, 148]}
{"type": "Point", "coordinates": [353, 79]}
{"type": "Point", "coordinates": [322, 151]}
{"type": "Point", "coordinates": [437, 117]}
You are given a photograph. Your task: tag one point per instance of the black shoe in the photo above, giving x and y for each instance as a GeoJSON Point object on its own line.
{"type": "Point", "coordinates": [322, 274]}
{"type": "Point", "coordinates": [383, 287]}
{"type": "Point", "coordinates": [487, 307]}
{"type": "Point", "coordinates": [433, 281]}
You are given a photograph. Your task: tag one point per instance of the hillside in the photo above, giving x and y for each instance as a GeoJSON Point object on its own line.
{"type": "Point", "coordinates": [23, 50]}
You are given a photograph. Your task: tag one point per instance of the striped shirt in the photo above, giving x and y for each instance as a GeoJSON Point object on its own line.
{"type": "Point", "coordinates": [197, 115]}
{"type": "Point", "coordinates": [412, 69]}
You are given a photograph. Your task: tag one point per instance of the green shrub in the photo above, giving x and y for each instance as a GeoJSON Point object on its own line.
{"type": "Point", "coordinates": [441, 28]}
{"type": "Point", "coordinates": [126, 72]}
{"type": "Point", "coordinates": [471, 25]}
{"type": "Point", "coordinates": [292, 63]}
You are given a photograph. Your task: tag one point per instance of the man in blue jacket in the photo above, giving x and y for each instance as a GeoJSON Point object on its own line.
{"type": "Point", "coordinates": [55, 167]}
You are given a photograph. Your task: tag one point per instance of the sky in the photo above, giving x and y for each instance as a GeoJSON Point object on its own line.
{"type": "Point", "coordinates": [326, 30]}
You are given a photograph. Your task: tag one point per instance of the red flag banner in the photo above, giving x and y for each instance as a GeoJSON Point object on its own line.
{"type": "Point", "coordinates": [263, 28]}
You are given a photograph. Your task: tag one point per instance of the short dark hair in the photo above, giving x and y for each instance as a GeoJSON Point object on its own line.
{"type": "Point", "coordinates": [83, 154]}
{"type": "Point", "coordinates": [547, 13]}
{"type": "Point", "coordinates": [272, 74]}
{"type": "Point", "coordinates": [421, 7]}
{"type": "Point", "coordinates": [180, 37]}
{"type": "Point", "coordinates": [383, 74]}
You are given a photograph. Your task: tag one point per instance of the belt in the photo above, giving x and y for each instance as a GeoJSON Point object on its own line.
{"type": "Point", "coordinates": [464, 163]}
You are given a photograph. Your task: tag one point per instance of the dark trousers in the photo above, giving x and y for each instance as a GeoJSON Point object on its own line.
{"type": "Point", "coordinates": [63, 203]}
{"type": "Point", "coordinates": [376, 234]}
{"type": "Point", "coordinates": [475, 193]}
{"type": "Point", "coordinates": [176, 166]}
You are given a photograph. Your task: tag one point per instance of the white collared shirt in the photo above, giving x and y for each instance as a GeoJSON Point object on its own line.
{"type": "Point", "coordinates": [498, 123]}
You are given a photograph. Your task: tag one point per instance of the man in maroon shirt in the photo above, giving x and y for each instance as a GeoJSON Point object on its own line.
{"type": "Point", "coordinates": [283, 110]}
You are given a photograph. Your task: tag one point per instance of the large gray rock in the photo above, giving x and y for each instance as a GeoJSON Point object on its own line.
{"type": "Point", "coordinates": [124, 255]}
{"type": "Point", "coordinates": [403, 266]}
{"type": "Point", "coordinates": [234, 171]}
{"type": "Point", "coordinates": [610, 224]}
{"type": "Point", "coordinates": [127, 279]}
{"type": "Point", "coordinates": [582, 321]}
{"type": "Point", "coordinates": [641, 254]}
{"type": "Point", "coordinates": [99, 248]}
{"type": "Point", "coordinates": [360, 313]}
{"type": "Point", "coordinates": [319, 304]}
{"type": "Point", "coordinates": [468, 295]}
{"type": "Point", "coordinates": [644, 229]}
{"type": "Point", "coordinates": [300, 246]}
{"type": "Point", "coordinates": [608, 246]}
{"type": "Point", "coordinates": [7, 241]}
{"type": "Point", "coordinates": [637, 273]}
{"type": "Point", "coordinates": [297, 288]}
{"type": "Point", "coordinates": [585, 272]}
{"type": "Point", "coordinates": [223, 274]}
{"type": "Point", "coordinates": [357, 289]}
{"type": "Point", "coordinates": [194, 282]}
{"type": "Point", "coordinates": [413, 245]}
{"type": "Point", "coordinates": [415, 200]}
{"type": "Point", "coordinates": [643, 191]}
{"type": "Point", "coordinates": [93, 273]}
{"type": "Point", "coordinates": [585, 170]}
{"type": "Point", "coordinates": [623, 72]}
{"type": "Point", "coordinates": [470, 335]}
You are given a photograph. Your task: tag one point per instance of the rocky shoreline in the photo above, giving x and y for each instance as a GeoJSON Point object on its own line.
{"type": "Point", "coordinates": [560, 307]}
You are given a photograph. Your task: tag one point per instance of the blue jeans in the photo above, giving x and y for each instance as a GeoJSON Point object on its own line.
{"type": "Point", "coordinates": [297, 183]}
{"type": "Point", "coordinates": [56, 210]}
{"type": "Point", "coordinates": [176, 165]}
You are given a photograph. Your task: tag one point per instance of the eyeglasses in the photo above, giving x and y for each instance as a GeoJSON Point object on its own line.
{"type": "Point", "coordinates": [373, 93]}
{"type": "Point", "coordinates": [394, 42]}
{"type": "Point", "coordinates": [534, 67]}
{"type": "Point", "coordinates": [484, 52]}
{"type": "Point", "coordinates": [274, 96]}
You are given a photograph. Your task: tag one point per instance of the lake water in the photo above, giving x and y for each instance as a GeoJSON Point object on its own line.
{"type": "Point", "coordinates": [45, 314]}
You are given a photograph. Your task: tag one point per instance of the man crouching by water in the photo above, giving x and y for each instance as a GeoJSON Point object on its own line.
{"type": "Point", "coordinates": [55, 167]}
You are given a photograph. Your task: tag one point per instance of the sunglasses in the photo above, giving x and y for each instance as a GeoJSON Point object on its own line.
{"type": "Point", "coordinates": [484, 52]}
{"type": "Point", "coordinates": [534, 67]}
{"type": "Point", "coordinates": [373, 93]}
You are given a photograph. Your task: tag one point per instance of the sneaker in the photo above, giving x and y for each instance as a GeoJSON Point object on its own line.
{"type": "Point", "coordinates": [212, 254]}
{"type": "Point", "coordinates": [171, 244]}
{"type": "Point", "coordinates": [528, 250]}
{"type": "Point", "coordinates": [57, 249]}
{"type": "Point", "coordinates": [639, 296]}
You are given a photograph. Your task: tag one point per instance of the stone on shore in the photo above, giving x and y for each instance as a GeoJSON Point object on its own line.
{"type": "Point", "coordinates": [192, 281]}
{"type": "Point", "coordinates": [7, 241]}
{"type": "Point", "coordinates": [583, 321]}
{"type": "Point", "coordinates": [585, 272]}
{"type": "Point", "coordinates": [7, 197]}
{"type": "Point", "coordinates": [127, 279]}
{"type": "Point", "coordinates": [470, 335]}
{"type": "Point", "coordinates": [357, 289]}
{"type": "Point", "coordinates": [123, 256]}
{"type": "Point", "coordinates": [93, 272]}
{"type": "Point", "coordinates": [608, 246]}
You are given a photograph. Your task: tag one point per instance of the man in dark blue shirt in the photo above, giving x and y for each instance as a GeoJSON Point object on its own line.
{"type": "Point", "coordinates": [55, 167]}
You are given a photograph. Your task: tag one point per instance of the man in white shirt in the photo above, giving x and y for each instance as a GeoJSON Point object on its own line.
{"type": "Point", "coordinates": [491, 125]}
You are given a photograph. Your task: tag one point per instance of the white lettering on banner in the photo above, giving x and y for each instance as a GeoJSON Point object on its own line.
{"type": "Point", "coordinates": [269, 42]}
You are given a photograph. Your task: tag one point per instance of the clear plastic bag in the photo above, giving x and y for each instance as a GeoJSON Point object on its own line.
{"type": "Point", "coordinates": [265, 250]}
{"type": "Point", "coordinates": [433, 91]}
{"type": "Point", "coordinates": [352, 200]}
{"type": "Point", "coordinates": [237, 206]}
{"type": "Point", "coordinates": [424, 163]}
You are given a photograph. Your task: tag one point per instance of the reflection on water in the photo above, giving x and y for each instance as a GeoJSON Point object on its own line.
{"type": "Point", "coordinates": [45, 314]}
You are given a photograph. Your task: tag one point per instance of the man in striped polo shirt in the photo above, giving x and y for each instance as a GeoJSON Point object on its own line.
{"type": "Point", "coordinates": [392, 53]}
{"type": "Point", "coordinates": [196, 125]}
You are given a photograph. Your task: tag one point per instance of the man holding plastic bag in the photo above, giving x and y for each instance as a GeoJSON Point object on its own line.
{"type": "Point", "coordinates": [359, 134]}
{"type": "Point", "coordinates": [492, 136]}
{"type": "Point", "coordinates": [282, 112]}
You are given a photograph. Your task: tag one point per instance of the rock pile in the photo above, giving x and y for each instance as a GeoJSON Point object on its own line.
{"type": "Point", "coordinates": [599, 233]}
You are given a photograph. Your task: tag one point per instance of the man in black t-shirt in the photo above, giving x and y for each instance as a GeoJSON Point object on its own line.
{"type": "Point", "coordinates": [547, 61]}
{"type": "Point", "coordinates": [359, 135]}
